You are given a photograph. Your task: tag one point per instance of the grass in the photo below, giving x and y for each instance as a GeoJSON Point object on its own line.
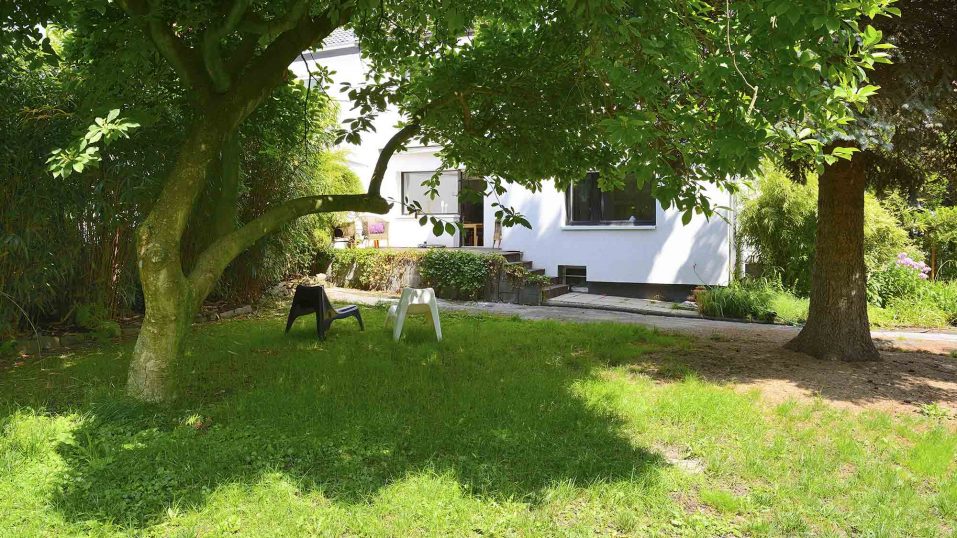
{"type": "Point", "coordinates": [793, 310]}
{"type": "Point", "coordinates": [757, 301]}
{"type": "Point", "coordinates": [790, 310]}
{"type": "Point", "coordinates": [507, 427]}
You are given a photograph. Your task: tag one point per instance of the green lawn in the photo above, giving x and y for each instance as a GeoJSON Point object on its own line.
{"type": "Point", "coordinates": [508, 427]}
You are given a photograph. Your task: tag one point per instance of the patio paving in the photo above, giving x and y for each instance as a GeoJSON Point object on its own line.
{"type": "Point", "coordinates": [622, 304]}
{"type": "Point", "coordinates": [664, 318]}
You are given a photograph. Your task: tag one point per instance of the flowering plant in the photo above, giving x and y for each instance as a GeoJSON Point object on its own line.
{"type": "Point", "coordinates": [922, 269]}
{"type": "Point", "coordinates": [905, 278]}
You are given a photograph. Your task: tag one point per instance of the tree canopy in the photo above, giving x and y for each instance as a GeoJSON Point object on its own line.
{"type": "Point", "coordinates": [676, 93]}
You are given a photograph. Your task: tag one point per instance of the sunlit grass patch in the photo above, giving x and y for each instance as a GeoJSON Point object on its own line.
{"type": "Point", "coordinates": [505, 427]}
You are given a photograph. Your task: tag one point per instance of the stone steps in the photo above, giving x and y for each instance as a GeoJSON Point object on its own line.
{"type": "Point", "coordinates": [550, 292]}
{"type": "Point", "coordinates": [508, 294]}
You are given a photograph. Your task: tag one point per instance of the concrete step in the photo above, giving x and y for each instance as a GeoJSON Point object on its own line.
{"type": "Point", "coordinates": [550, 292]}
{"type": "Point", "coordinates": [537, 271]}
{"type": "Point", "coordinates": [527, 264]}
{"type": "Point", "coordinates": [512, 256]}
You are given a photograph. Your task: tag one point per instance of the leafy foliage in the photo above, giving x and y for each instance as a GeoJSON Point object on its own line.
{"type": "Point", "coordinates": [458, 274]}
{"type": "Point", "coordinates": [690, 67]}
{"type": "Point", "coordinates": [778, 221]}
{"type": "Point", "coordinates": [373, 269]}
{"type": "Point", "coordinates": [67, 225]}
{"type": "Point", "coordinates": [747, 299]}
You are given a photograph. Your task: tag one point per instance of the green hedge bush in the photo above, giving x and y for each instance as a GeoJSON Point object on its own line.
{"type": "Point", "coordinates": [371, 268]}
{"type": "Point", "coordinates": [453, 273]}
{"type": "Point", "coordinates": [779, 222]}
{"type": "Point", "coordinates": [459, 274]}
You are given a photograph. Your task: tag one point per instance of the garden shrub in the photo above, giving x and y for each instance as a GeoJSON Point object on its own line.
{"type": "Point", "coordinates": [902, 294]}
{"type": "Point", "coordinates": [459, 274]}
{"type": "Point", "coordinates": [371, 268]}
{"type": "Point", "coordinates": [903, 279]}
{"type": "Point", "coordinates": [748, 299]}
{"type": "Point", "coordinates": [789, 308]}
{"type": "Point", "coordinates": [779, 223]}
{"type": "Point", "coordinates": [453, 273]}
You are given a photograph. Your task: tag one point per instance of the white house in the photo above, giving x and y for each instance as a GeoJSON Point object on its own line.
{"type": "Point", "coordinates": [620, 243]}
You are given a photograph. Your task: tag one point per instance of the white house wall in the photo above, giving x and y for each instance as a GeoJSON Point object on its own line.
{"type": "Point", "coordinates": [668, 253]}
{"type": "Point", "coordinates": [404, 230]}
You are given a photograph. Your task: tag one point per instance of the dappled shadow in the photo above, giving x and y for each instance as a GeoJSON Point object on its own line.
{"type": "Point", "coordinates": [494, 405]}
{"type": "Point", "coordinates": [900, 382]}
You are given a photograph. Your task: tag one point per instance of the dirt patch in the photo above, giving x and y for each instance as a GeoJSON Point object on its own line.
{"type": "Point", "coordinates": [902, 382]}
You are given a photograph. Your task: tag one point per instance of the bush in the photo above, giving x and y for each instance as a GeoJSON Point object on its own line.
{"type": "Point", "coordinates": [372, 269]}
{"type": "Point", "coordinates": [458, 274]}
{"type": "Point", "coordinates": [453, 273]}
{"type": "Point", "coordinates": [790, 309]}
{"type": "Point", "coordinates": [749, 300]}
{"type": "Point", "coordinates": [902, 279]}
{"type": "Point", "coordinates": [903, 295]}
{"type": "Point", "coordinates": [779, 223]}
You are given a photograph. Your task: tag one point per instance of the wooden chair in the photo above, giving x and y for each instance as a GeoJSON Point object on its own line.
{"type": "Point", "coordinates": [309, 299]}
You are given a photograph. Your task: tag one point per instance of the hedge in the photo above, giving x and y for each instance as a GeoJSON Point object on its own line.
{"type": "Point", "coordinates": [453, 273]}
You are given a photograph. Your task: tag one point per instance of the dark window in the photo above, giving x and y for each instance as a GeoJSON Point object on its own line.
{"type": "Point", "coordinates": [573, 275]}
{"type": "Point", "coordinates": [586, 204]}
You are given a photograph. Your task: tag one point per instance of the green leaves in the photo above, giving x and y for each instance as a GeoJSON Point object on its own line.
{"type": "Point", "coordinates": [870, 37]}
{"type": "Point", "coordinates": [83, 153]}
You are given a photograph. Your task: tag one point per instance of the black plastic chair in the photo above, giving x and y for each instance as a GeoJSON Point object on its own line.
{"type": "Point", "coordinates": [309, 299]}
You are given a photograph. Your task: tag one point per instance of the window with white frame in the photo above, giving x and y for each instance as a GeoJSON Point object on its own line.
{"type": "Point", "coordinates": [447, 200]}
{"type": "Point", "coordinates": [587, 205]}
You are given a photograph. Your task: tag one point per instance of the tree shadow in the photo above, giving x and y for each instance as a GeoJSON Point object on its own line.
{"type": "Point", "coordinates": [901, 381]}
{"type": "Point", "coordinates": [495, 405]}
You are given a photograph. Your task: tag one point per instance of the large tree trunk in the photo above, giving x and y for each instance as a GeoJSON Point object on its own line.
{"type": "Point", "coordinates": [837, 326]}
{"type": "Point", "coordinates": [217, 210]}
{"type": "Point", "coordinates": [170, 302]}
{"type": "Point", "coordinates": [168, 314]}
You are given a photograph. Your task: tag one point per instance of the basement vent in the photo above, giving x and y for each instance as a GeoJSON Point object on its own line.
{"type": "Point", "coordinates": [575, 276]}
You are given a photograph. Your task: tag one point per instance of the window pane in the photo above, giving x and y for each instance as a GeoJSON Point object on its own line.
{"type": "Point", "coordinates": [629, 205]}
{"type": "Point", "coordinates": [447, 201]}
{"type": "Point", "coordinates": [583, 200]}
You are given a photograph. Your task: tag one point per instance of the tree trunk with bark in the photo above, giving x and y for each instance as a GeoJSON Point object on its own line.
{"type": "Point", "coordinates": [225, 92]}
{"type": "Point", "coordinates": [837, 327]}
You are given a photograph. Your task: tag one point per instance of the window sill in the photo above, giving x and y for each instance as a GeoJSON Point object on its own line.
{"type": "Point", "coordinates": [608, 227]}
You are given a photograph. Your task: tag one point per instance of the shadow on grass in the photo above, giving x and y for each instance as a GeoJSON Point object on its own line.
{"type": "Point", "coordinates": [493, 405]}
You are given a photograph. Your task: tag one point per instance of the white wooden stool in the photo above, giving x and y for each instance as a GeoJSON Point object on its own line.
{"type": "Point", "coordinates": [414, 301]}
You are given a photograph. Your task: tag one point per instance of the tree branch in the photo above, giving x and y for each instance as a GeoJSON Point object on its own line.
{"type": "Point", "coordinates": [185, 61]}
{"type": "Point", "coordinates": [254, 23]}
{"type": "Point", "coordinates": [394, 144]}
{"type": "Point", "coordinates": [213, 261]}
{"type": "Point", "coordinates": [269, 68]}
{"type": "Point", "coordinates": [212, 57]}
{"type": "Point", "coordinates": [242, 54]}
